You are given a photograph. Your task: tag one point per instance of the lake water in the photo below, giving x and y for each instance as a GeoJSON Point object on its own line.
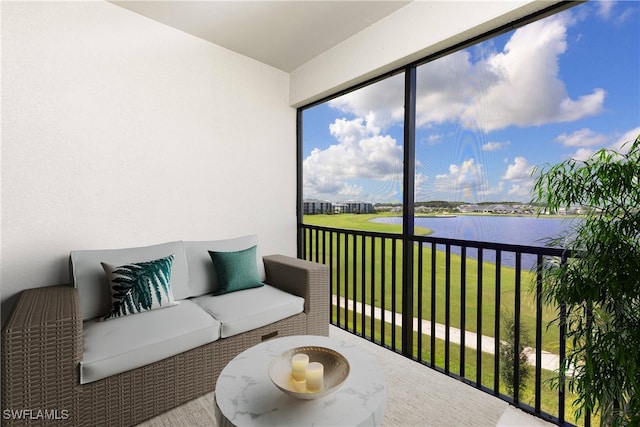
{"type": "Point", "coordinates": [516, 230]}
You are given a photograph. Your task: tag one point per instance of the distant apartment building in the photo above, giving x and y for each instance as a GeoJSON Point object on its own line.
{"type": "Point", "coordinates": [313, 206]}
{"type": "Point", "coordinates": [353, 207]}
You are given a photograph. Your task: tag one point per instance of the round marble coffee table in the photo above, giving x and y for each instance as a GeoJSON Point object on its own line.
{"type": "Point", "coordinates": [245, 395]}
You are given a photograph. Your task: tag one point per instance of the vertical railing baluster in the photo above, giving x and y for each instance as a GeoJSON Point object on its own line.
{"type": "Point", "coordinates": [433, 305]}
{"type": "Point", "coordinates": [563, 360]}
{"type": "Point", "coordinates": [420, 299]}
{"type": "Point", "coordinates": [324, 247]}
{"type": "Point", "coordinates": [496, 348]}
{"type": "Point", "coordinates": [383, 294]}
{"type": "Point", "coordinates": [479, 323]}
{"type": "Point", "coordinates": [447, 308]}
{"type": "Point", "coordinates": [373, 287]}
{"type": "Point", "coordinates": [338, 278]}
{"type": "Point", "coordinates": [538, 368]}
{"type": "Point", "coordinates": [363, 291]}
{"type": "Point", "coordinates": [463, 308]}
{"type": "Point", "coordinates": [393, 292]}
{"type": "Point", "coordinates": [516, 316]}
{"type": "Point", "coordinates": [316, 243]}
{"type": "Point", "coordinates": [332, 267]}
{"type": "Point", "coordinates": [354, 282]}
{"type": "Point", "coordinates": [347, 287]}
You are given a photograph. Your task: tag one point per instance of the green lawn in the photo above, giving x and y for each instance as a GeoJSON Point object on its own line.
{"type": "Point", "coordinates": [357, 270]}
{"type": "Point", "coordinates": [548, 394]}
{"type": "Point", "coordinates": [360, 222]}
{"type": "Point", "coordinates": [348, 276]}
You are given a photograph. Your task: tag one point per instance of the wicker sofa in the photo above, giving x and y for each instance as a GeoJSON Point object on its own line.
{"type": "Point", "coordinates": [51, 333]}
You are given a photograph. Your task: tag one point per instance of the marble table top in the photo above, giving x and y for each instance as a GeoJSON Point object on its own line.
{"type": "Point", "coordinates": [245, 395]}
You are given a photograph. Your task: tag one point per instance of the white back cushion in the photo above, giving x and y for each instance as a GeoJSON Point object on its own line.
{"type": "Point", "coordinates": [202, 275]}
{"type": "Point", "coordinates": [89, 278]}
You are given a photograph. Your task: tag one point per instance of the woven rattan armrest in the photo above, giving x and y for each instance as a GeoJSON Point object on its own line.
{"type": "Point", "coordinates": [41, 350]}
{"type": "Point", "coordinates": [305, 279]}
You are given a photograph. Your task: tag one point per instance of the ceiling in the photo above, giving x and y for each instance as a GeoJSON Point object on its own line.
{"type": "Point", "coordinates": [283, 34]}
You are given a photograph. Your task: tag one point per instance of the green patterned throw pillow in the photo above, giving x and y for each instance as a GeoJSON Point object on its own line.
{"type": "Point", "coordinates": [236, 271]}
{"type": "Point", "coordinates": [139, 287]}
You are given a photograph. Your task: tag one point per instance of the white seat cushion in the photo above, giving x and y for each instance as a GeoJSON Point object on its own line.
{"type": "Point", "coordinates": [130, 342]}
{"type": "Point", "coordinates": [249, 309]}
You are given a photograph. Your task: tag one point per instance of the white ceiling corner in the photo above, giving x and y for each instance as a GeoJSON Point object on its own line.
{"type": "Point", "coordinates": [283, 34]}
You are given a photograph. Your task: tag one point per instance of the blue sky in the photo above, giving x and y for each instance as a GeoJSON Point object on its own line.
{"type": "Point", "coordinates": [562, 87]}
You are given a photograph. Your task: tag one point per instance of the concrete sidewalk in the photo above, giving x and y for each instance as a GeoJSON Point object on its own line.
{"type": "Point", "coordinates": [550, 361]}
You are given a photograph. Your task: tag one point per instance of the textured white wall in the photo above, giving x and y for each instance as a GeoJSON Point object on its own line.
{"type": "Point", "coordinates": [421, 28]}
{"type": "Point", "coordinates": [119, 131]}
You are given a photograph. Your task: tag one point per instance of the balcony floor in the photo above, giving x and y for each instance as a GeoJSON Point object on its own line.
{"type": "Point", "coordinates": [416, 396]}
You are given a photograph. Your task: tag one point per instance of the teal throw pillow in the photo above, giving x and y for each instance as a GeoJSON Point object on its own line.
{"type": "Point", "coordinates": [236, 271]}
{"type": "Point", "coordinates": [139, 287]}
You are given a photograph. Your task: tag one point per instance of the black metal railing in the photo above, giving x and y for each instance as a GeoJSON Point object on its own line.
{"type": "Point", "coordinates": [460, 294]}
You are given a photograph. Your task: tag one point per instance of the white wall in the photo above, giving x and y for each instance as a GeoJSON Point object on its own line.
{"type": "Point", "coordinates": [119, 131]}
{"type": "Point", "coordinates": [421, 28]}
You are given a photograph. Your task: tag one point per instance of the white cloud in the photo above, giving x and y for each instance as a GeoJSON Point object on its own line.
{"type": "Point", "coordinates": [588, 142]}
{"type": "Point", "coordinates": [583, 154]}
{"type": "Point", "coordinates": [422, 190]}
{"type": "Point", "coordinates": [519, 170]}
{"type": "Point", "coordinates": [605, 7]}
{"type": "Point", "coordinates": [582, 138]}
{"type": "Point", "coordinates": [586, 105]}
{"type": "Point", "coordinates": [519, 176]}
{"type": "Point", "coordinates": [444, 89]}
{"type": "Point", "coordinates": [434, 139]}
{"type": "Point", "coordinates": [494, 146]}
{"type": "Point", "coordinates": [467, 181]}
{"type": "Point", "coordinates": [521, 190]}
{"type": "Point", "coordinates": [382, 103]}
{"type": "Point", "coordinates": [605, 10]}
{"type": "Point", "coordinates": [623, 143]}
{"type": "Point", "coordinates": [518, 86]}
{"type": "Point", "coordinates": [529, 91]}
{"type": "Point", "coordinates": [362, 152]}
{"type": "Point", "coordinates": [490, 192]}
{"type": "Point", "coordinates": [349, 191]}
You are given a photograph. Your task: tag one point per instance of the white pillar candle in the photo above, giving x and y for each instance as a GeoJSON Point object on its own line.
{"type": "Point", "coordinates": [298, 364]}
{"type": "Point", "coordinates": [299, 386]}
{"type": "Point", "coordinates": [314, 376]}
